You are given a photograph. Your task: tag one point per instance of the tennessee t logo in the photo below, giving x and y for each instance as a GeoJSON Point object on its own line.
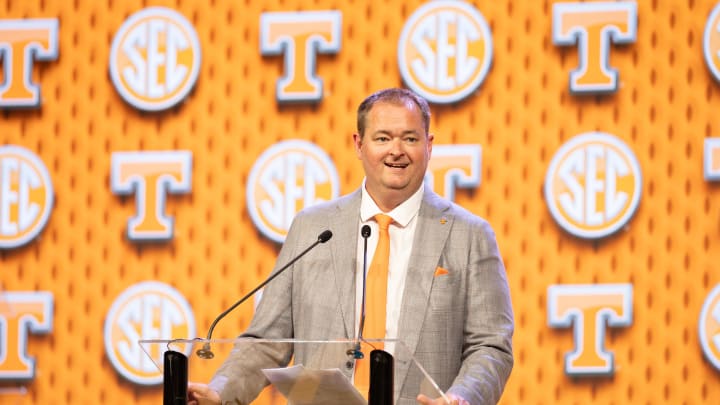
{"type": "Point", "coordinates": [452, 167]}
{"type": "Point", "coordinates": [711, 159]}
{"type": "Point", "coordinates": [22, 313]}
{"type": "Point", "coordinates": [22, 42]}
{"type": "Point", "coordinates": [300, 36]}
{"type": "Point", "coordinates": [151, 175]}
{"type": "Point", "coordinates": [587, 308]}
{"type": "Point", "coordinates": [593, 26]}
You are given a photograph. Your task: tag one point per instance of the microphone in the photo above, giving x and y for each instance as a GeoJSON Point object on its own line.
{"type": "Point", "coordinates": [356, 352]}
{"type": "Point", "coordinates": [205, 351]}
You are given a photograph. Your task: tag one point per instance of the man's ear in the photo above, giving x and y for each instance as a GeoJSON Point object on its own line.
{"type": "Point", "coordinates": [357, 141]}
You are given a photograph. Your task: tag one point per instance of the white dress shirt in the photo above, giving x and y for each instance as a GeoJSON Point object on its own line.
{"type": "Point", "coordinates": [402, 232]}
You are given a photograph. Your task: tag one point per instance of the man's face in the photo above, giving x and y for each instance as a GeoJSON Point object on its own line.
{"type": "Point", "coordinates": [394, 151]}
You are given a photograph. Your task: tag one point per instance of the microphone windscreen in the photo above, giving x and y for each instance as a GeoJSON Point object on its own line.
{"type": "Point", "coordinates": [325, 236]}
{"type": "Point", "coordinates": [365, 231]}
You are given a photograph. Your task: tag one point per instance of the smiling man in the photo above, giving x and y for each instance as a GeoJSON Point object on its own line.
{"type": "Point", "coordinates": [441, 287]}
{"type": "Point", "coordinates": [394, 146]}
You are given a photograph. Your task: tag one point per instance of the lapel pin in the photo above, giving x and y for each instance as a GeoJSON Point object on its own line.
{"type": "Point", "coordinates": [443, 221]}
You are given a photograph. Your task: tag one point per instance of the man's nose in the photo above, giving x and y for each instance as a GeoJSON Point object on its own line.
{"type": "Point", "coordinates": [396, 147]}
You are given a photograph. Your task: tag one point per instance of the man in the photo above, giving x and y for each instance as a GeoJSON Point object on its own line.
{"type": "Point", "coordinates": [447, 292]}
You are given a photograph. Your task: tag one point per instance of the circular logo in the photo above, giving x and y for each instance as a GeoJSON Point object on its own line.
{"type": "Point", "coordinates": [147, 310]}
{"type": "Point", "coordinates": [709, 327]}
{"type": "Point", "coordinates": [593, 185]}
{"type": "Point", "coordinates": [26, 196]}
{"type": "Point", "coordinates": [155, 59]}
{"type": "Point", "coordinates": [286, 178]}
{"type": "Point", "coordinates": [445, 51]}
{"type": "Point", "coordinates": [711, 42]}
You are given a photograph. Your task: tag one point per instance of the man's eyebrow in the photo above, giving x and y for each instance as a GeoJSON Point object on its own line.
{"type": "Point", "coordinates": [388, 132]}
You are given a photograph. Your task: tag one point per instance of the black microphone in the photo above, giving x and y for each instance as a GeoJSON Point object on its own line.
{"type": "Point", "coordinates": [175, 377]}
{"type": "Point", "coordinates": [205, 351]}
{"type": "Point", "coordinates": [357, 353]}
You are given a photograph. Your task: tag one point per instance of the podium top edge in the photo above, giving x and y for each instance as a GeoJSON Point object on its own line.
{"type": "Point", "coordinates": [256, 340]}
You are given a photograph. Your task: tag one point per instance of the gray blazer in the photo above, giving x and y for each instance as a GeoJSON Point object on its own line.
{"type": "Point", "coordinates": [458, 325]}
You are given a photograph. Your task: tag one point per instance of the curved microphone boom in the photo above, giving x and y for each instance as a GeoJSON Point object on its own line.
{"type": "Point", "coordinates": [205, 351]}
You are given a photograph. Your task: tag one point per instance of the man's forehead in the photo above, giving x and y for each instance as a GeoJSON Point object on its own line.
{"type": "Point", "coordinates": [395, 102]}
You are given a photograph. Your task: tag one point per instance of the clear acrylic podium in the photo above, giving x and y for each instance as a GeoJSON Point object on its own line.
{"type": "Point", "coordinates": [320, 377]}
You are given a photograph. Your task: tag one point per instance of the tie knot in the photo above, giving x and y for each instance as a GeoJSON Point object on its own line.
{"type": "Point", "coordinates": [383, 221]}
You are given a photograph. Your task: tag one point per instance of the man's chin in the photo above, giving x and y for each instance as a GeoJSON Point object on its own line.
{"type": "Point", "coordinates": [396, 186]}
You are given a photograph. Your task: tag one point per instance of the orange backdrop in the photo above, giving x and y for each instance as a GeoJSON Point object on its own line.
{"type": "Point", "coordinates": [523, 112]}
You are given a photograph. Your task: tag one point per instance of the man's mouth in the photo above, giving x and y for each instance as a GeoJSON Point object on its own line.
{"type": "Point", "coordinates": [396, 165]}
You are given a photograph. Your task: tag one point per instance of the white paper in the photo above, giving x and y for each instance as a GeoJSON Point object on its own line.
{"type": "Point", "coordinates": [314, 387]}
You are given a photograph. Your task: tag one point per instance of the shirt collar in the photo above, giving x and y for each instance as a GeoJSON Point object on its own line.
{"type": "Point", "coordinates": [402, 214]}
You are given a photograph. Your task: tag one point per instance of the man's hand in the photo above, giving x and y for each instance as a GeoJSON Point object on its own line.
{"type": "Point", "coordinates": [454, 400]}
{"type": "Point", "coordinates": [201, 394]}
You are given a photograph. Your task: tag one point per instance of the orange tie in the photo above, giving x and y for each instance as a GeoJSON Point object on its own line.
{"type": "Point", "coordinates": [376, 303]}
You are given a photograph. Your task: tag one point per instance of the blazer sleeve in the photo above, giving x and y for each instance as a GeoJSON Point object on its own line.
{"type": "Point", "coordinates": [487, 357]}
{"type": "Point", "coordinates": [239, 379]}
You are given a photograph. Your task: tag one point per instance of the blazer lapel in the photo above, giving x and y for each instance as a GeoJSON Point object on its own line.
{"type": "Point", "coordinates": [344, 226]}
{"type": "Point", "coordinates": [431, 233]}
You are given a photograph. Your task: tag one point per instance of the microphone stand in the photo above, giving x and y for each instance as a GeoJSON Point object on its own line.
{"type": "Point", "coordinates": [357, 353]}
{"type": "Point", "coordinates": [205, 352]}
{"type": "Point", "coordinates": [381, 363]}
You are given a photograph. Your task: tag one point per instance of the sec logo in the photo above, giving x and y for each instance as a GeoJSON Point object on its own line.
{"type": "Point", "coordinates": [593, 185]}
{"type": "Point", "coordinates": [445, 51]}
{"type": "Point", "coordinates": [711, 42]}
{"type": "Point", "coordinates": [709, 326]}
{"type": "Point", "coordinates": [26, 196]}
{"type": "Point", "coordinates": [147, 310]}
{"type": "Point", "coordinates": [155, 59]}
{"type": "Point", "coordinates": [286, 178]}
